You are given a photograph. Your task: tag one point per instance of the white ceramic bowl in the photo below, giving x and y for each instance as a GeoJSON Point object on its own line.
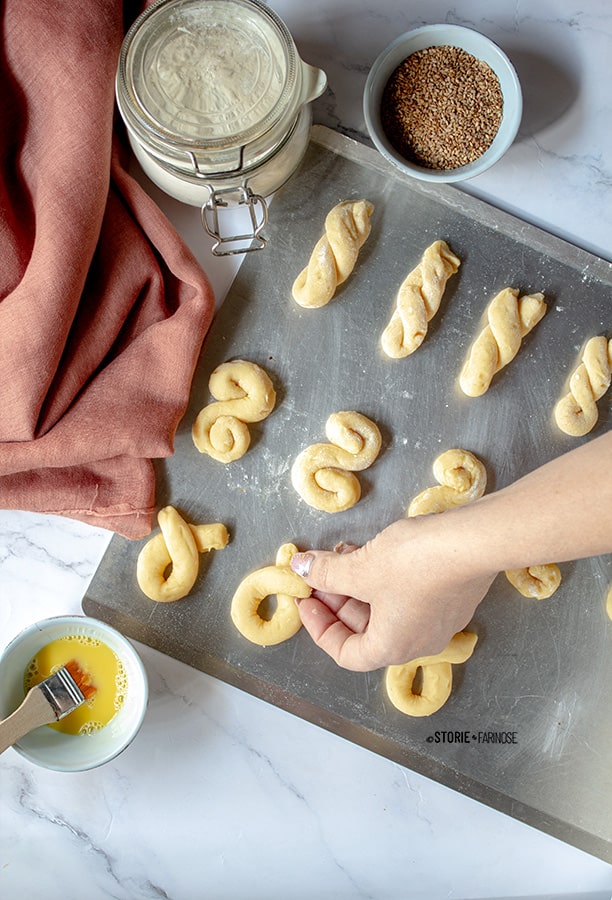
{"type": "Point", "coordinates": [435, 36]}
{"type": "Point", "coordinates": [53, 749]}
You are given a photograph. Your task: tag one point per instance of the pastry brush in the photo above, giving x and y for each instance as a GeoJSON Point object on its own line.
{"type": "Point", "coordinates": [47, 702]}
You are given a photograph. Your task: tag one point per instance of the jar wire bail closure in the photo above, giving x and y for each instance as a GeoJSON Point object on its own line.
{"type": "Point", "coordinates": [230, 245]}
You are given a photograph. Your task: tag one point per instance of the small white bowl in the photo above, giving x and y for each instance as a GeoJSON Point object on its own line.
{"type": "Point", "coordinates": [53, 749]}
{"type": "Point", "coordinates": [436, 36]}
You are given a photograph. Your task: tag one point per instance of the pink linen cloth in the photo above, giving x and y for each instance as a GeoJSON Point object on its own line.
{"type": "Point", "coordinates": [103, 309]}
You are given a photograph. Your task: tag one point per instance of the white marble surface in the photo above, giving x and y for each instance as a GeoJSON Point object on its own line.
{"type": "Point", "coordinates": [221, 795]}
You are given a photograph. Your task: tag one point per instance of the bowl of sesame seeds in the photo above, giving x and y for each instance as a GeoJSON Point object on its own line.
{"type": "Point", "coordinates": [443, 103]}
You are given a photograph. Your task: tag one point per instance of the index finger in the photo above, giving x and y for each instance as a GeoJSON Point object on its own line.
{"type": "Point", "coordinates": [355, 614]}
{"type": "Point", "coordinates": [345, 646]}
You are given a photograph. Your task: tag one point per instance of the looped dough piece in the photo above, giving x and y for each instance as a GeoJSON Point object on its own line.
{"type": "Point", "coordinates": [418, 300]}
{"type": "Point", "coordinates": [509, 320]}
{"type": "Point", "coordinates": [322, 474]}
{"type": "Point", "coordinates": [245, 394]}
{"type": "Point", "coordinates": [179, 544]}
{"type": "Point", "coordinates": [577, 412]}
{"type": "Point", "coordinates": [281, 580]}
{"type": "Point", "coordinates": [462, 478]}
{"type": "Point", "coordinates": [536, 582]}
{"type": "Point", "coordinates": [347, 228]}
{"type": "Point", "coordinates": [437, 677]}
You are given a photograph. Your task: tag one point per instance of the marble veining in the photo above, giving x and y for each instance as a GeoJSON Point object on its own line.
{"type": "Point", "coordinates": [223, 796]}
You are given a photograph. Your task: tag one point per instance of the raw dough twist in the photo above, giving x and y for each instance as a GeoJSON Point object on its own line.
{"type": "Point", "coordinates": [322, 474]}
{"type": "Point", "coordinates": [179, 544]}
{"type": "Point", "coordinates": [577, 413]}
{"type": "Point", "coordinates": [347, 228]}
{"type": "Point", "coordinates": [536, 582]}
{"type": "Point", "coordinates": [437, 675]}
{"type": "Point", "coordinates": [418, 300]}
{"type": "Point", "coordinates": [281, 580]}
{"type": "Point", "coordinates": [462, 478]}
{"type": "Point", "coordinates": [245, 394]}
{"type": "Point", "coordinates": [509, 320]}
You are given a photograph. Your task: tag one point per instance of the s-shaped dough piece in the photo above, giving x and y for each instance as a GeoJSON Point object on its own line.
{"type": "Point", "coordinates": [536, 582]}
{"type": "Point", "coordinates": [347, 228]}
{"type": "Point", "coordinates": [509, 320]}
{"type": "Point", "coordinates": [418, 300]}
{"type": "Point", "coordinates": [462, 478]}
{"type": "Point", "coordinates": [245, 394]}
{"type": "Point", "coordinates": [323, 473]}
{"type": "Point", "coordinates": [281, 580]}
{"type": "Point", "coordinates": [437, 677]}
{"type": "Point", "coordinates": [577, 413]}
{"type": "Point", "coordinates": [179, 544]}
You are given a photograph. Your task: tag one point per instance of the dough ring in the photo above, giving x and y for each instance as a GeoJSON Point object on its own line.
{"type": "Point", "coordinates": [178, 544]}
{"type": "Point", "coordinates": [347, 228]}
{"type": "Point", "coordinates": [462, 478]}
{"type": "Point", "coordinates": [245, 394]}
{"type": "Point", "coordinates": [323, 473]}
{"type": "Point", "coordinates": [509, 320]}
{"type": "Point", "coordinates": [437, 677]}
{"type": "Point", "coordinates": [577, 413]}
{"type": "Point", "coordinates": [536, 582]}
{"type": "Point", "coordinates": [418, 300]}
{"type": "Point", "coordinates": [281, 580]}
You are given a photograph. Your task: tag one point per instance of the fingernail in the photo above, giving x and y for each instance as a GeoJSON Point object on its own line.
{"type": "Point", "coordinates": [301, 563]}
{"type": "Point", "coordinates": [343, 547]}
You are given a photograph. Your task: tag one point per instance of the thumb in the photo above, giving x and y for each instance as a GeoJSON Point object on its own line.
{"type": "Point", "coordinates": [325, 570]}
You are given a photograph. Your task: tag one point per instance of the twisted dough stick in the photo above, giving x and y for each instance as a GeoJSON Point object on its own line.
{"type": "Point", "coordinates": [510, 319]}
{"type": "Point", "coordinates": [322, 474]}
{"type": "Point", "coordinates": [462, 478]}
{"type": "Point", "coordinates": [418, 300]}
{"type": "Point", "coordinates": [437, 677]}
{"type": "Point", "coordinates": [245, 394]}
{"type": "Point", "coordinates": [178, 543]}
{"type": "Point", "coordinates": [535, 582]}
{"type": "Point", "coordinates": [347, 228]}
{"type": "Point", "coordinates": [577, 413]}
{"type": "Point", "coordinates": [281, 580]}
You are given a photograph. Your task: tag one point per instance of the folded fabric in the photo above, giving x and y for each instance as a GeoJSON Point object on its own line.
{"type": "Point", "coordinates": [103, 308]}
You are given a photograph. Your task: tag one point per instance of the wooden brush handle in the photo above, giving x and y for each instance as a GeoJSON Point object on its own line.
{"type": "Point", "coordinates": [33, 712]}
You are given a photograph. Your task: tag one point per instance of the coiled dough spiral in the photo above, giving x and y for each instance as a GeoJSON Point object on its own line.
{"type": "Point", "coordinates": [437, 677]}
{"type": "Point", "coordinates": [347, 228]}
{"type": "Point", "coordinates": [577, 412]}
{"type": "Point", "coordinates": [536, 582]}
{"type": "Point", "coordinates": [245, 394]}
{"type": "Point", "coordinates": [279, 579]}
{"type": "Point", "coordinates": [462, 478]}
{"type": "Point", "coordinates": [323, 473]}
{"type": "Point", "coordinates": [509, 320]}
{"type": "Point", "coordinates": [418, 300]}
{"type": "Point", "coordinates": [179, 544]}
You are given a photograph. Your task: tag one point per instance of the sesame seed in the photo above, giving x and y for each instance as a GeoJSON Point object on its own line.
{"type": "Point", "coordinates": [442, 107]}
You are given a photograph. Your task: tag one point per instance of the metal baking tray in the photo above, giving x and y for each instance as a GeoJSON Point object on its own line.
{"type": "Point", "coordinates": [541, 671]}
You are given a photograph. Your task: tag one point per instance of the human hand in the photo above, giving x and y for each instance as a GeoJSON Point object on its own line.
{"type": "Point", "coordinates": [402, 595]}
{"type": "Point", "coordinates": [405, 593]}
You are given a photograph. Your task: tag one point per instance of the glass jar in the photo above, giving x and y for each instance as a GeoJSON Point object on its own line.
{"type": "Point", "coordinates": [215, 98]}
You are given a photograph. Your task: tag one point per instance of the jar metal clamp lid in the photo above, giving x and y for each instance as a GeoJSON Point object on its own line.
{"type": "Point", "coordinates": [215, 98]}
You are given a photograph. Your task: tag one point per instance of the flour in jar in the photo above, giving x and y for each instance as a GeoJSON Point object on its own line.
{"type": "Point", "coordinates": [214, 79]}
